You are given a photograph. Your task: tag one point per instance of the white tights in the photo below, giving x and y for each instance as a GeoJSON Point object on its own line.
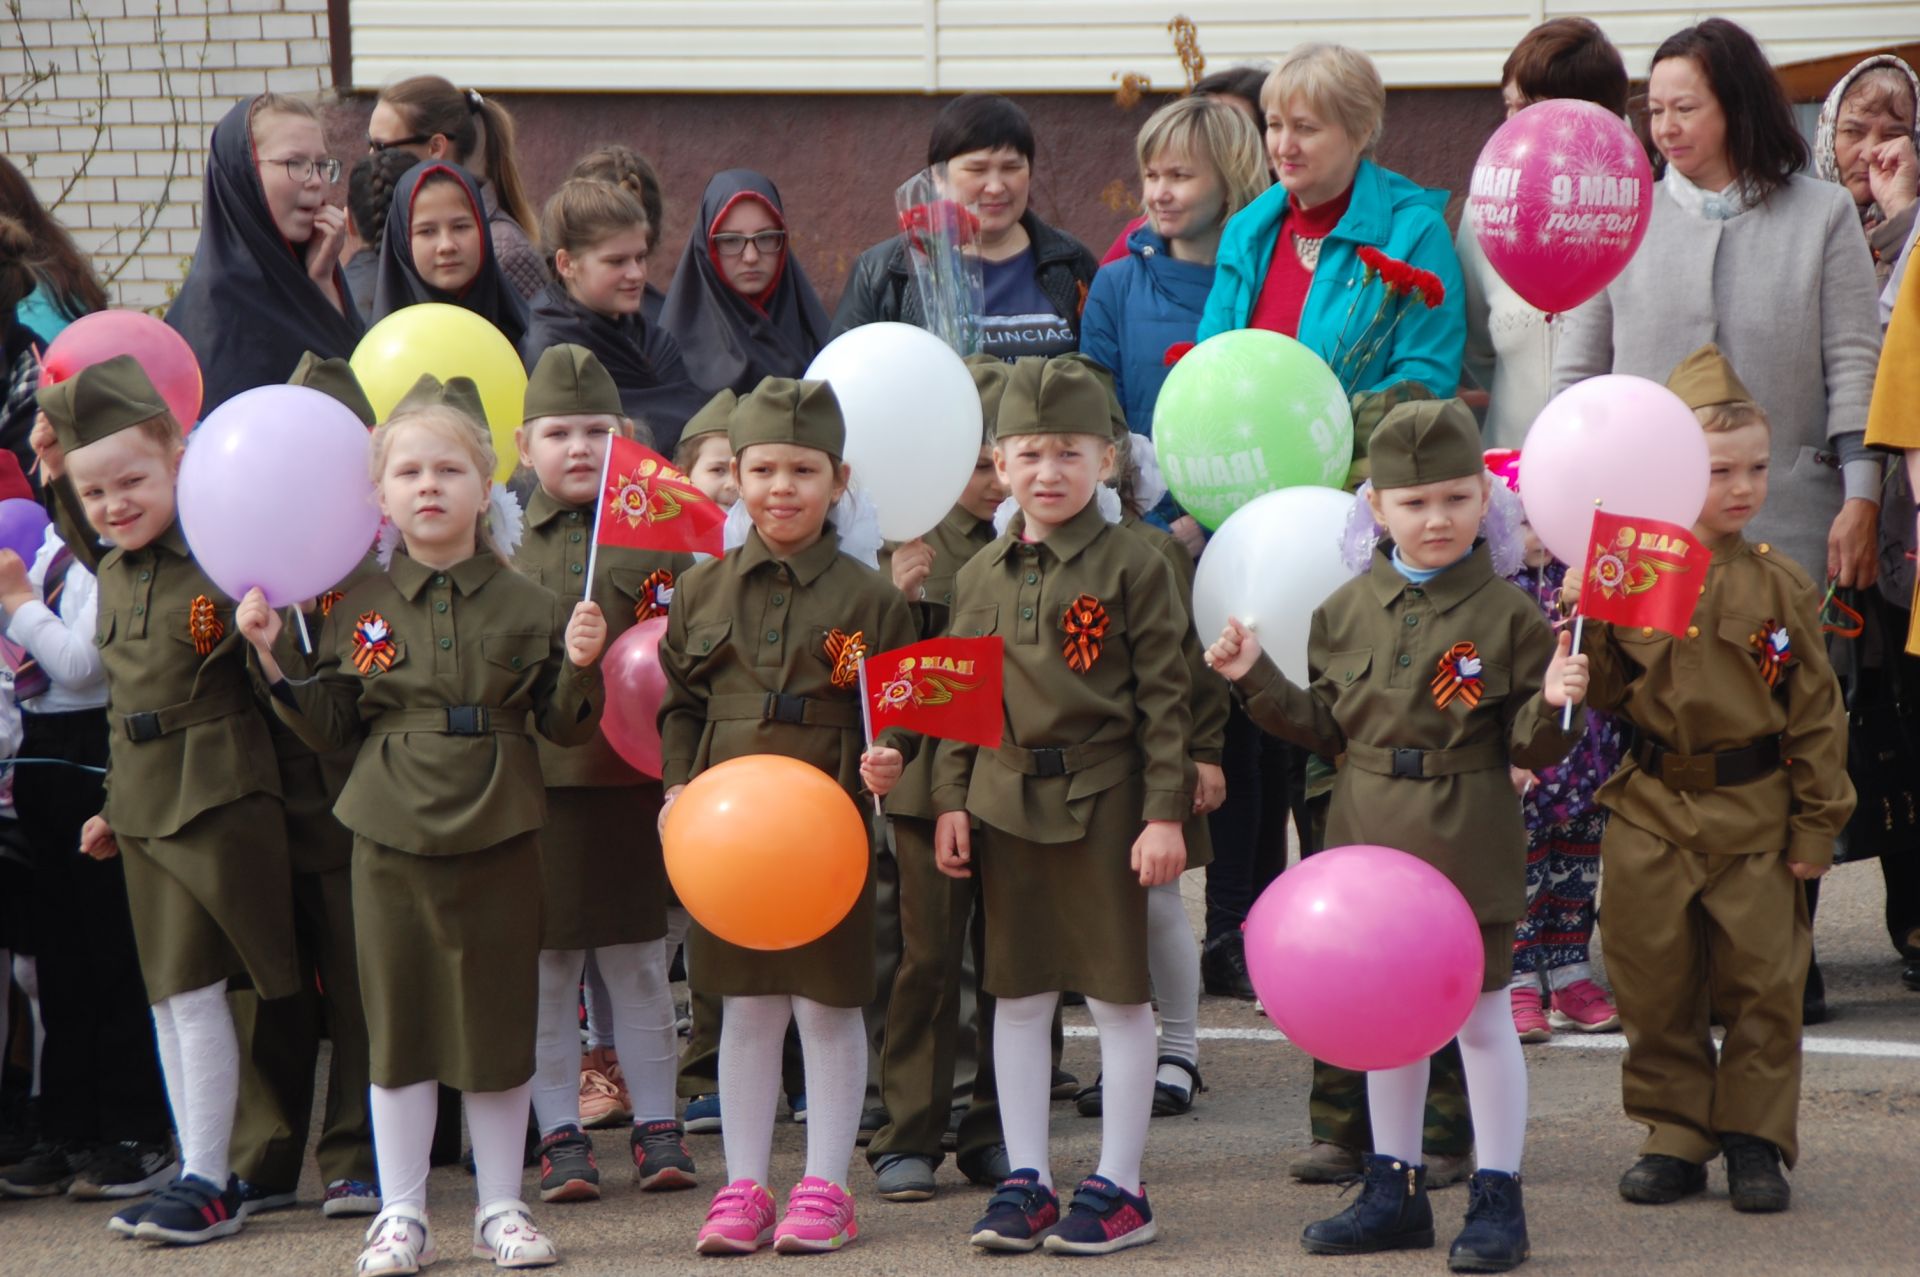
{"type": "Point", "coordinates": [1496, 1092]}
{"type": "Point", "coordinates": [1023, 1068]}
{"type": "Point", "coordinates": [1173, 964]}
{"type": "Point", "coordinates": [833, 1042]}
{"type": "Point", "coordinates": [643, 1035]}
{"type": "Point", "coordinates": [26, 973]}
{"type": "Point", "coordinates": [200, 1061]}
{"type": "Point", "coordinates": [403, 1121]}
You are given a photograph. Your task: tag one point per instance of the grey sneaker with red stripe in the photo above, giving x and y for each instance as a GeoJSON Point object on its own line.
{"type": "Point", "coordinates": [660, 1158]}
{"type": "Point", "coordinates": [1103, 1218]}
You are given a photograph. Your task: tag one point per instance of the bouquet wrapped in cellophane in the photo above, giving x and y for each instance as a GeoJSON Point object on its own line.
{"type": "Point", "coordinates": [941, 235]}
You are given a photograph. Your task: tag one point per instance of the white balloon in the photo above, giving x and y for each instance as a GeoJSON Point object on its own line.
{"type": "Point", "coordinates": [913, 421]}
{"type": "Point", "coordinates": [1272, 562]}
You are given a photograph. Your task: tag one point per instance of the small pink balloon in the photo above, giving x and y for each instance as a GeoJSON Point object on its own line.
{"type": "Point", "coordinates": [636, 684]}
{"type": "Point", "coordinates": [1560, 201]}
{"type": "Point", "coordinates": [1625, 444]}
{"type": "Point", "coordinates": [163, 354]}
{"type": "Point", "coordinates": [1365, 957]}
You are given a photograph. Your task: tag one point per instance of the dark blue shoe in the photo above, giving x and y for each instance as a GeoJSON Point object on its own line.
{"type": "Point", "coordinates": [703, 1115]}
{"type": "Point", "coordinates": [257, 1199]}
{"type": "Point", "coordinates": [1018, 1212]}
{"type": "Point", "coordinates": [127, 1219]}
{"type": "Point", "coordinates": [192, 1210]}
{"type": "Point", "coordinates": [1495, 1238]}
{"type": "Point", "coordinates": [1391, 1213]}
{"type": "Point", "coordinates": [1103, 1218]}
{"type": "Point", "coordinates": [798, 1103]}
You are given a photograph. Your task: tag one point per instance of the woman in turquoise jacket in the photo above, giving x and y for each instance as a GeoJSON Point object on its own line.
{"type": "Point", "coordinates": [1290, 260]}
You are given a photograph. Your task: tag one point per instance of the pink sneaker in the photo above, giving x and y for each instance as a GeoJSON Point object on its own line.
{"type": "Point", "coordinates": [1584, 1007]}
{"type": "Point", "coordinates": [1528, 1020]}
{"type": "Point", "coordinates": [739, 1222]}
{"type": "Point", "coordinates": [819, 1217]}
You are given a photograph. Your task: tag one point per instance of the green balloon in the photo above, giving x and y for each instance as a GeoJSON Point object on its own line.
{"type": "Point", "coordinates": [1248, 412]}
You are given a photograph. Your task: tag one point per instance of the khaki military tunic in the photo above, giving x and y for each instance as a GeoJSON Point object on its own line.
{"type": "Point", "coordinates": [1090, 753]}
{"type": "Point", "coordinates": [192, 790]}
{"type": "Point", "coordinates": [749, 672]}
{"type": "Point", "coordinates": [1699, 899]}
{"type": "Point", "coordinates": [606, 883]}
{"type": "Point", "coordinates": [446, 802]}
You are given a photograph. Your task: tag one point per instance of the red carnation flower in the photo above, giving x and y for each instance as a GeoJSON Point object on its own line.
{"type": "Point", "coordinates": [1176, 352]}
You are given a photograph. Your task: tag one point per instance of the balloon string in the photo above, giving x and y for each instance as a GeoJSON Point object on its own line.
{"type": "Point", "coordinates": [50, 762]}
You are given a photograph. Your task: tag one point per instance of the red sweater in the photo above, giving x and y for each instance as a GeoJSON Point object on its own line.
{"type": "Point", "coordinates": [1283, 293]}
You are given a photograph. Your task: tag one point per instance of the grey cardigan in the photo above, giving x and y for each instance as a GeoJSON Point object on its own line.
{"type": "Point", "coordinates": [1787, 290]}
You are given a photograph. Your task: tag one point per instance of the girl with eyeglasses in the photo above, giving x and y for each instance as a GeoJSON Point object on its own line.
{"type": "Point", "coordinates": [740, 306]}
{"type": "Point", "coordinates": [266, 285]}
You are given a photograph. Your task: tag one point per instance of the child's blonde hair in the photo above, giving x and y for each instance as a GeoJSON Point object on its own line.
{"type": "Point", "coordinates": [457, 428]}
{"type": "Point", "coordinates": [1735, 414]}
{"type": "Point", "coordinates": [1209, 130]}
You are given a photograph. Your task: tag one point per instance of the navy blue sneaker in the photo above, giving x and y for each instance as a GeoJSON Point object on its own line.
{"type": "Point", "coordinates": [1019, 1211]}
{"type": "Point", "coordinates": [127, 1219]}
{"type": "Point", "coordinates": [1103, 1218]}
{"type": "Point", "coordinates": [257, 1199]}
{"type": "Point", "coordinates": [703, 1115]}
{"type": "Point", "coordinates": [192, 1210]}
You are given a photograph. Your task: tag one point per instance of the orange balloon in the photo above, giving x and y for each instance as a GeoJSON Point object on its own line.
{"type": "Point", "coordinates": [766, 852]}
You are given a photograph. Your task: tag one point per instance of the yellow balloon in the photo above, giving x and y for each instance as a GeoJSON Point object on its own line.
{"type": "Point", "coordinates": [447, 341]}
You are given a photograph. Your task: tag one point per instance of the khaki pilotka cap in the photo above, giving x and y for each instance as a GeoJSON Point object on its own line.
{"type": "Point", "coordinates": [712, 419]}
{"type": "Point", "coordinates": [570, 381]}
{"type": "Point", "coordinates": [334, 378]}
{"type": "Point", "coordinates": [990, 374]}
{"type": "Point", "coordinates": [455, 392]}
{"type": "Point", "coordinates": [99, 401]}
{"type": "Point", "coordinates": [1055, 397]}
{"type": "Point", "coordinates": [1429, 441]}
{"type": "Point", "coordinates": [1705, 379]}
{"type": "Point", "coordinates": [782, 410]}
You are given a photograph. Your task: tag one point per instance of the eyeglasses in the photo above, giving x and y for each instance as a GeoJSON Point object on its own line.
{"type": "Point", "coordinates": [375, 145]}
{"type": "Point", "coordinates": [766, 243]}
{"type": "Point", "coordinates": [300, 168]}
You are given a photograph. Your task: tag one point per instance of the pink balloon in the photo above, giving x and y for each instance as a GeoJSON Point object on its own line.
{"type": "Point", "coordinates": [635, 687]}
{"type": "Point", "coordinates": [1560, 201]}
{"type": "Point", "coordinates": [275, 492]}
{"type": "Point", "coordinates": [162, 352]}
{"type": "Point", "coordinates": [1623, 443]}
{"type": "Point", "coordinates": [1365, 957]}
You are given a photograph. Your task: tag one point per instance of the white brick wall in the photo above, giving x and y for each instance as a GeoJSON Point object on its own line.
{"type": "Point", "coordinates": [131, 76]}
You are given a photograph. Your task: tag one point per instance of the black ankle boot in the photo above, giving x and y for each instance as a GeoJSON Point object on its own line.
{"type": "Point", "coordinates": [1495, 1238]}
{"type": "Point", "coordinates": [1754, 1181]}
{"type": "Point", "coordinates": [1391, 1213]}
{"type": "Point", "coordinates": [1223, 967]}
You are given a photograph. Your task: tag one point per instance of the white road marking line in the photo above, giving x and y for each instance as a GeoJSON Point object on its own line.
{"type": "Point", "coordinates": [1869, 1048]}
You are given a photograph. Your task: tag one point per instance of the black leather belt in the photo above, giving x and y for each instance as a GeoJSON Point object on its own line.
{"type": "Point", "coordinates": [1707, 771]}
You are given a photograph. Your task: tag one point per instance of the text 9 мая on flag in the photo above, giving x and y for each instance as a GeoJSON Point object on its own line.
{"type": "Point", "coordinates": [946, 687]}
{"type": "Point", "coordinates": [646, 504]}
{"type": "Point", "coordinates": [1642, 572]}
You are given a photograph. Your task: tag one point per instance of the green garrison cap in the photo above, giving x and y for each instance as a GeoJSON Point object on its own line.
{"type": "Point", "coordinates": [1428, 441]}
{"type": "Point", "coordinates": [455, 392]}
{"type": "Point", "coordinates": [782, 410]}
{"type": "Point", "coordinates": [1705, 378]}
{"type": "Point", "coordinates": [990, 374]}
{"type": "Point", "coordinates": [100, 400]}
{"type": "Point", "coordinates": [713, 419]}
{"type": "Point", "coordinates": [1116, 415]}
{"type": "Point", "coordinates": [334, 378]}
{"type": "Point", "coordinates": [569, 381]}
{"type": "Point", "coordinates": [1055, 397]}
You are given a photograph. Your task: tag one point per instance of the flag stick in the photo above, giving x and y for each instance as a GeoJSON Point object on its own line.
{"type": "Point", "coordinates": [866, 721]}
{"type": "Point", "coordinates": [599, 508]}
{"type": "Point", "coordinates": [1579, 627]}
{"type": "Point", "coordinates": [306, 640]}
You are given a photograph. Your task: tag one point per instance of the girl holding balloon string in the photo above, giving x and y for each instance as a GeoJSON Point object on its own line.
{"type": "Point", "coordinates": [442, 667]}
{"type": "Point", "coordinates": [1431, 676]}
{"type": "Point", "coordinates": [436, 249]}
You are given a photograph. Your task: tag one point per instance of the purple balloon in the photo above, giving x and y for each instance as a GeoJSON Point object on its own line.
{"type": "Point", "coordinates": [23, 526]}
{"type": "Point", "coordinates": [1365, 957]}
{"type": "Point", "coordinates": [275, 493]}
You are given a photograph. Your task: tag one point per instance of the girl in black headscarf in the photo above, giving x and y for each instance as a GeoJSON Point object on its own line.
{"type": "Point", "coordinates": [265, 286]}
{"type": "Point", "coordinates": [600, 239]}
{"type": "Point", "coordinates": [436, 249]}
{"type": "Point", "coordinates": [740, 306]}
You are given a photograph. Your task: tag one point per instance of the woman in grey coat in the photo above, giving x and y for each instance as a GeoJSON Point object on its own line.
{"type": "Point", "coordinates": [1746, 250]}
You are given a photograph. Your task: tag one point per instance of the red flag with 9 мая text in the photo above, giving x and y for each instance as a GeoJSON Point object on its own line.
{"type": "Point", "coordinates": [1642, 572]}
{"type": "Point", "coordinates": [649, 505]}
{"type": "Point", "coordinates": [948, 687]}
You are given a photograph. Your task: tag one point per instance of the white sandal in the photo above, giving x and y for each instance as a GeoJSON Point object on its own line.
{"type": "Point", "coordinates": [516, 1242]}
{"type": "Point", "coordinates": [398, 1242]}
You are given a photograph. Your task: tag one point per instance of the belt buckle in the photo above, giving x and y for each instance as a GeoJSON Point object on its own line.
{"type": "Point", "coordinates": [784, 708]}
{"type": "Point", "coordinates": [467, 720]}
{"type": "Point", "coordinates": [143, 726]}
{"type": "Point", "coordinates": [1684, 772]}
{"type": "Point", "coordinates": [1049, 762]}
{"type": "Point", "coordinates": [1409, 763]}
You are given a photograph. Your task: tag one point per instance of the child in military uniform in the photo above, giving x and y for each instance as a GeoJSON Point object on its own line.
{"type": "Point", "coordinates": [442, 667]}
{"type": "Point", "coordinates": [704, 454]}
{"type": "Point", "coordinates": [762, 656]}
{"type": "Point", "coordinates": [194, 800]}
{"type": "Point", "coordinates": [1431, 675]}
{"type": "Point", "coordinates": [1729, 799]}
{"type": "Point", "coordinates": [605, 880]}
{"type": "Point", "coordinates": [1080, 809]}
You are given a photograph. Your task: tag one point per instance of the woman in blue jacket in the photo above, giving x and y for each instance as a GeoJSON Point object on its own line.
{"type": "Point", "coordinates": [1290, 262]}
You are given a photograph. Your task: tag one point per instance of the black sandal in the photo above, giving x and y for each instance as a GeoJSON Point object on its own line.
{"type": "Point", "coordinates": [1169, 1100]}
{"type": "Point", "coordinates": [1087, 1099]}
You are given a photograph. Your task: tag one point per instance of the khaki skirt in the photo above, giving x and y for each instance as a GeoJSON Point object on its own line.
{"type": "Point", "coordinates": [1070, 915]}
{"type": "Point", "coordinates": [1496, 938]}
{"type": "Point", "coordinates": [600, 860]}
{"type": "Point", "coordinates": [214, 902]}
{"type": "Point", "coordinates": [449, 951]}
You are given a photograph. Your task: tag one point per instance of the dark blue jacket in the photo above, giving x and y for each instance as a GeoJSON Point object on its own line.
{"type": "Point", "coordinates": [1138, 306]}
